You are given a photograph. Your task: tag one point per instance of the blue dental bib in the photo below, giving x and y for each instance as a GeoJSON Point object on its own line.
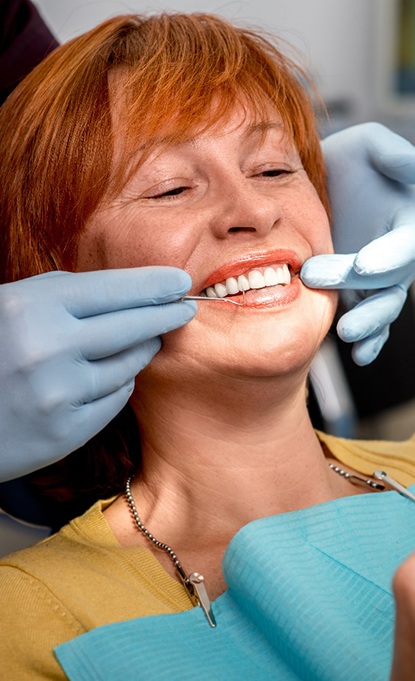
{"type": "Point", "coordinates": [309, 599]}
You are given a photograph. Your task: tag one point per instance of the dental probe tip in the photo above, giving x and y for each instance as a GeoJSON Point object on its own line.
{"type": "Point", "coordinates": [215, 300]}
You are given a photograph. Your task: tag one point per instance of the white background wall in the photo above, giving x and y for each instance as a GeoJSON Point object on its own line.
{"type": "Point", "coordinates": [338, 37]}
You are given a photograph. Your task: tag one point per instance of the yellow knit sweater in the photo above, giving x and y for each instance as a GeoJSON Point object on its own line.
{"type": "Point", "coordinates": [82, 578]}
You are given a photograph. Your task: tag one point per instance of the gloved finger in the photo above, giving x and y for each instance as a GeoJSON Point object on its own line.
{"type": "Point", "coordinates": [337, 271]}
{"type": "Point", "coordinates": [111, 333]}
{"type": "Point", "coordinates": [47, 275]}
{"type": "Point", "coordinates": [394, 250]}
{"type": "Point", "coordinates": [108, 375]}
{"type": "Point", "coordinates": [371, 315]}
{"type": "Point", "coordinates": [365, 351]}
{"type": "Point", "coordinates": [391, 154]}
{"type": "Point", "coordinates": [91, 418]}
{"type": "Point", "coordinates": [327, 271]}
{"type": "Point", "coordinates": [333, 271]}
{"type": "Point", "coordinates": [62, 389]}
{"type": "Point", "coordinates": [94, 416]}
{"type": "Point", "coordinates": [93, 293]}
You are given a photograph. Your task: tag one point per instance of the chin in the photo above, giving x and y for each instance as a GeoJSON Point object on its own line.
{"type": "Point", "coordinates": [275, 358]}
{"type": "Point", "coordinates": [257, 344]}
{"type": "Point", "coordinates": [275, 345]}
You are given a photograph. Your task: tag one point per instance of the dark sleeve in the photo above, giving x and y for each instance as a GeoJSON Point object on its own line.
{"type": "Point", "coordinates": [24, 41]}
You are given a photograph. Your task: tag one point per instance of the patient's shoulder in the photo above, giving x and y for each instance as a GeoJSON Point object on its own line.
{"type": "Point", "coordinates": [82, 536]}
{"type": "Point", "coordinates": [33, 621]}
{"type": "Point", "coordinates": [91, 575]}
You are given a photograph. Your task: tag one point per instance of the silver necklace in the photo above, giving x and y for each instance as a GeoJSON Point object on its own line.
{"type": "Point", "coordinates": [195, 583]}
{"type": "Point", "coordinates": [378, 486]}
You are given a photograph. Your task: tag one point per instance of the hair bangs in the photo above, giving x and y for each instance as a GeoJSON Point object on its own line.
{"type": "Point", "coordinates": [77, 127]}
{"type": "Point", "coordinates": [184, 74]}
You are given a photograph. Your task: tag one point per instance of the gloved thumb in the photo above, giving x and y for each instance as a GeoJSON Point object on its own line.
{"type": "Point", "coordinates": [392, 251]}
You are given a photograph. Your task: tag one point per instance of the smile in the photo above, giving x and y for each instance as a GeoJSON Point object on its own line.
{"type": "Point", "coordinates": [257, 278]}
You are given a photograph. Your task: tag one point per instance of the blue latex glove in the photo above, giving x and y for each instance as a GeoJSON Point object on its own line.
{"type": "Point", "coordinates": [370, 170]}
{"type": "Point", "coordinates": [70, 347]}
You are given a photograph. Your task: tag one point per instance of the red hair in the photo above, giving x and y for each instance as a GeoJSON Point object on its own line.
{"type": "Point", "coordinates": [175, 75]}
{"type": "Point", "coordinates": [56, 137]}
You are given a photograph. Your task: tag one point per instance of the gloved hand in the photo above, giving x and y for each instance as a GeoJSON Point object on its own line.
{"type": "Point", "coordinates": [370, 170]}
{"type": "Point", "coordinates": [70, 347]}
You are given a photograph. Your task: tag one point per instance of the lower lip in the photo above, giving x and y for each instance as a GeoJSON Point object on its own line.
{"type": "Point", "coordinates": [270, 297]}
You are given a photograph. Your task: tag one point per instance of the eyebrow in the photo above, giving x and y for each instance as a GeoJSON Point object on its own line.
{"type": "Point", "coordinates": [262, 127]}
{"type": "Point", "coordinates": [256, 128]}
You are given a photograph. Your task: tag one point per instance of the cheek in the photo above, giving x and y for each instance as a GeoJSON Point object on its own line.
{"type": "Point", "coordinates": [98, 252]}
{"type": "Point", "coordinates": [326, 243]}
{"type": "Point", "coordinates": [323, 242]}
{"type": "Point", "coordinates": [114, 241]}
{"type": "Point", "coordinates": [313, 223]}
{"type": "Point", "coordinates": [318, 233]}
{"type": "Point", "coordinates": [90, 252]}
{"type": "Point", "coordinates": [132, 237]}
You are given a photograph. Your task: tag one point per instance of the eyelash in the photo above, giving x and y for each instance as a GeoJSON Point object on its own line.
{"type": "Point", "coordinates": [177, 191]}
{"type": "Point", "coordinates": [276, 172]}
{"type": "Point", "coordinates": [171, 193]}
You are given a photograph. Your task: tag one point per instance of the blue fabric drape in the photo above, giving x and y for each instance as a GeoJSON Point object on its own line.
{"type": "Point", "coordinates": [309, 598]}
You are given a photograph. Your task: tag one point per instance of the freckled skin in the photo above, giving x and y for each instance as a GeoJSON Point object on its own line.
{"type": "Point", "coordinates": [217, 199]}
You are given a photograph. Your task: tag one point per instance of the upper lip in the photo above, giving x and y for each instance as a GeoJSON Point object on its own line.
{"type": "Point", "coordinates": [248, 262]}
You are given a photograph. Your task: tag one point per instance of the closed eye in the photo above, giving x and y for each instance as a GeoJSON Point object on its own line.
{"type": "Point", "coordinates": [171, 192]}
{"type": "Point", "coordinates": [276, 172]}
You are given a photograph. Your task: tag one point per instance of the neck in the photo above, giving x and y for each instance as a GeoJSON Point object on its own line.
{"type": "Point", "coordinates": [216, 465]}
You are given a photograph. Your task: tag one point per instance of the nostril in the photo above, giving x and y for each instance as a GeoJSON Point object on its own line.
{"type": "Point", "coordinates": [242, 229]}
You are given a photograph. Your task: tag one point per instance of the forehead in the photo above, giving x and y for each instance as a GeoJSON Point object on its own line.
{"type": "Point", "coordinates": [218, 121]}
{"type": "Point", "coordinates": [237, 133]}
{"type": "Point", "coordinates": [136, 139]}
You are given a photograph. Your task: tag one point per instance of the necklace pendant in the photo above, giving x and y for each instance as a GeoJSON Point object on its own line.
{"type": "Point", "coordinates": [393, 484]}
{"type": "Point", "coordinates": [196, 589]}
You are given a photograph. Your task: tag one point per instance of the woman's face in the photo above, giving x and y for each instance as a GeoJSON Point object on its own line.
{"type": "Point", "coordinates": [232, 206]}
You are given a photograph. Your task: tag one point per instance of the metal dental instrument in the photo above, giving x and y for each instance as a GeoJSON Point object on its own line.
{"type": "Point", "coordinates": [199, 596]}
{"type": "Point", "coordinates": [394, 484]}
{"type": "Point", "coordinates": [215, 300]}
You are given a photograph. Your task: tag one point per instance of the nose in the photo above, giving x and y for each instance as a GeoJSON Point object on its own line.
{"type": "Point", "coordinates": [245, 205]}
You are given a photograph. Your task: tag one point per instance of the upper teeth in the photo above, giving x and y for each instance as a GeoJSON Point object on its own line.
{"type": "Point", "coordinates": [272, 276]}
